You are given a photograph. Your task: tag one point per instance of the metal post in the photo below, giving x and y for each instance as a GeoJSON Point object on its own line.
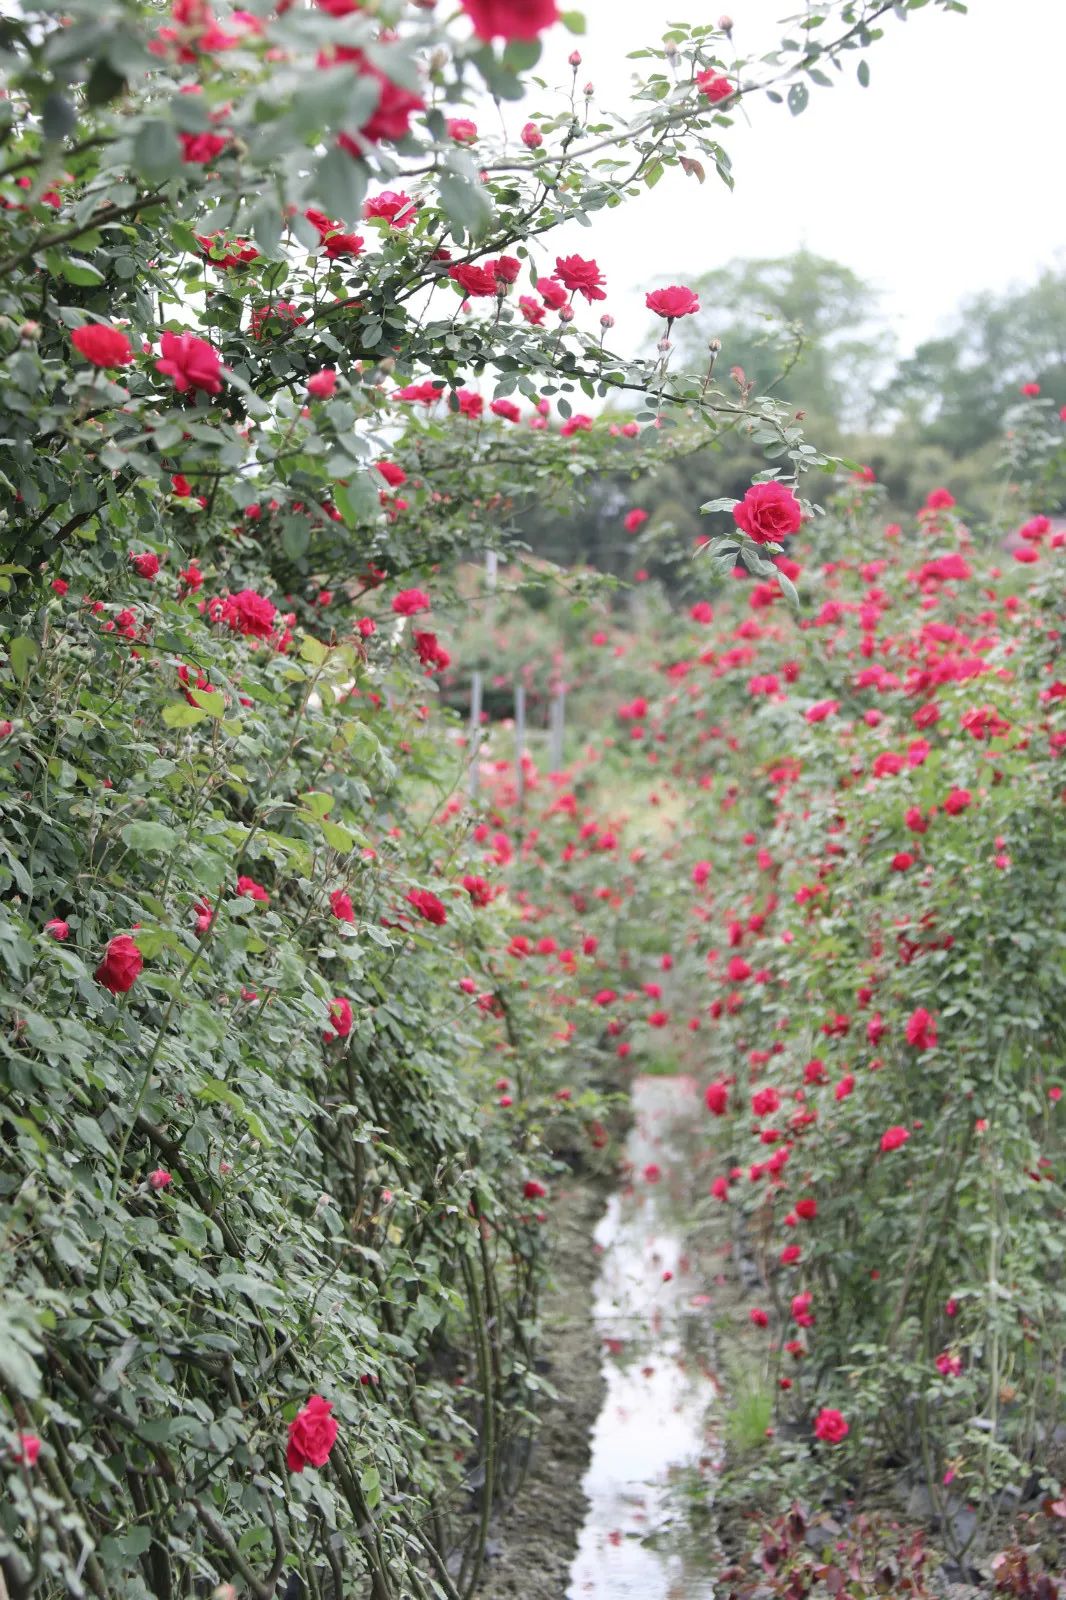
{"type": "Point", "coordinates": [557, 725]}
{"type": "Point", "coordinates": [520, 741]}
{"type": "Point", "coordinates": [474, 738]}
{"type": "Point", "coordinates": [492, 567]}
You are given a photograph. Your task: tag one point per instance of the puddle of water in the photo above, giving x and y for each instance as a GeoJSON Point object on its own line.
{"type": "Point", "coordinates": [651, 1314]}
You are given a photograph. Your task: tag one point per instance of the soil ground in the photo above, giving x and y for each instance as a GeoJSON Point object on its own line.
{"type": "Point", "coordinates": [532, 1541]}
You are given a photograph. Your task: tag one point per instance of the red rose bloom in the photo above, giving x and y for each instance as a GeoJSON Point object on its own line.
{"type": "Point", "coordinates": [323, 385]}
{"type": "Point", "coordinates": [391, 117]}
{"type": "Point", "coordinates": [146, 563]}
{"type": "Point", "coordinates": [506, 409]}
{"type": "Point", "coordinates": [921, 1029]}
{"type": "Point", "coordinates": [427, 905]}
{"type": "Point", "coordinates": [340, 1019]}
{"type": "Point", "coordinates": [57, 928]}
{"type": "Point", "coordinates": [552, 293]}
{"type": "Point", "coordinates": [399, 210]}
{"type": "Point", "coordinates": [312, 1435]}
{"type": "Point", "coordinates": [249, 613]}
{"type": "Point", "coordinates": [510, 19]}
{"type": "Point", "coordinates": [341, 906]}
{"type": "Point", "coordinates": [716, 1098]}
{"type": "Point", "coordinates": [409, 602]}
{"type": "Point", "coordinates": [580, 276]}
{"type": "Point", "coordinates": [103, 345]}
{"type": "Point", "coordinates": [474, 280]}
{"type": "Point", "coordinates": [768, 513]}
{"type": "Point", "coordinates": [673, 302]}
{"type": "Point", "coordinates": [533, 1189]}
{"type": "Point", "coordinates": [190, 363]}
{"type": "Point", "coordinates": [714, 86]}
{"type": "Point", "coordinates": [121, 966]}
{"type": "Point", "coordinates": [894, 1138]}
{"type": "Point", "coordinates": [830, 1426]}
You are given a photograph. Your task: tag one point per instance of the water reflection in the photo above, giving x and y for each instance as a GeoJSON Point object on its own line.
{"type": "Point", "coordinates": [651, 1314]}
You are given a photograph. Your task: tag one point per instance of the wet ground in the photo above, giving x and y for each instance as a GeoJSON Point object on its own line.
{"type": "Point", "coordinates": [626, 1341]}
{"type": "Point", "coordinates": [659, 1413]}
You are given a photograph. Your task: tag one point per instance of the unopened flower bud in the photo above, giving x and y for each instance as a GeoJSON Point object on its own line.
{"type": "Point", "coordinates": [566, 313]}
{"type": "Point", "coordinates": [225, 1591]}
{"type": "Point", "coordinates": [438, 60]}
{"type": "Point", "coordinates": [606, 321]}
{"type": "Point", "coordinates": [726, 24]}
{"type": "Point", "coordinates": [575, 59]}
{"type": "Point", "coordinates": [588, 91]}
{"type": "Point", "coordinates": [30, 331]}
{"type": "Point", "coordinates": [663, 346]}
{"type": "Point", "coordinates": [669, 49]}
{"type": "Point", "coordinates": [714, 345]}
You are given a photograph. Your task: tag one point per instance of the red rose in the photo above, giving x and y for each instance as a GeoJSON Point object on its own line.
{"type": "Point", "coordinates": [399, 210]}
{"type": "Point", "coordinates": [57, 928]}
{"type": "Point", "coordinates": [159, 1179]}
{"type": "Point", "coordinates": [27, 1450]}
{"type": "Point", "coordinates": [146, 562]}
{"type": "Point", "coordinates": [713, 86]}
{"type": "Point", "coordinates": [894, 1138]}
{"type": "Point", "coordinates": [580, 276]}
{"type": "Point", "coordinates": [103, 345]}
{"type": "Point", "coordinates": [462, 130]}
{"type": "Point", "coordinates": [427, 905]}
{"type": "Point", "coordinates": [506, 409]}
{"type": "Point", "coordinates": [533, 1189]}
{"type": "Point", "coordinates": [323, 385]}
{"type": "Point", "coordinates": [635, 519]}
{"type": "Point", "coordinates": [510, 19]}
{"type": "Point", "coordinates": [552, 293]}
{"type": "Point", "coordinates": [249, 613]}
{"type": "Point", "coordinates": [190, 363]}
{"type": "Point", "coordinates": [391, 117]}
{"type": "Point", "coordinates": [716, 1098]}
{"type": "Point", "coordinates": [340, 1019]}
{"type": "Point", "coordinates": [121, 966]}
{"type": "Point", "coordinates": [768, 513]}
{"type": "Point", "coordinates": [921, 1029]}
{"type": "Point", "coordinates": [673, 302]}
{"type": "Point", "coordinates": [830, 1426]}
{"type": "Point", "coordinates": [474, 280]}
{"type": "Point", "coordinates": [341, 906]}
{"type": "Point", "coordinates": [312, 1435]}
{"type": "Point", "coordinates": [410, 601]}
{"type": "Point", "coordinates": [532, 137]}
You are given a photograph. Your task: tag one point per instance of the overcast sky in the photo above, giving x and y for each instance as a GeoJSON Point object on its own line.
{"type": "Point", "coordinates": [942, 178]}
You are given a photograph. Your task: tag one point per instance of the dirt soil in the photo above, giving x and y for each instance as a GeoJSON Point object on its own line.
{"type": "Point", "coordinates": [532, 1541]}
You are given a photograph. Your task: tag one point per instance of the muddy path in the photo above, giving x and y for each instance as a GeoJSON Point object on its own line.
{"type": "Point", "coordinates": [626, 1345]}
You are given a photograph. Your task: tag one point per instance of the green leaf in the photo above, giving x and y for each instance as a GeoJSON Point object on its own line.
{"type": "Point", "coordinates": [210, 700]}
{"type": "Point", "coordinates": [149, 836]}
{"type": "Point", "coordinates": [79, 272]}
{"type": "Point", "coordinates": [467, 205]}
{"type": "Point", "coordinates": [157, 152]}
{"type": "Point", "coordinates": [863, 74]}
{"type": "Point", "coordinates": [182, 715]}
{"type": "Point", "coordinates": [22, 651]}
{"type": "Point", "coordinates": [798, 96]}
{"type": "Point", "coordinates": [340, 182]}
{"type": "Point", "coordinates": [215, 1092]}
{"type": "Point", "coordinates": [521, 55]}
{"type": "Point", "coordinates": [573, 21]}
{"type": "Point", "coordinates": [338, 837]}
{"type": "Point", "coordinates": [313, 650]}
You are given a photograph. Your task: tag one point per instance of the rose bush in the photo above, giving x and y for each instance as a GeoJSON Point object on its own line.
{"type": "Point", "coordinates": [252, 1148]}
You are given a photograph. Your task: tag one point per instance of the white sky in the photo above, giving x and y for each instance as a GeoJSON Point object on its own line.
{"type": "Point", "coordinates": [943, 178]}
